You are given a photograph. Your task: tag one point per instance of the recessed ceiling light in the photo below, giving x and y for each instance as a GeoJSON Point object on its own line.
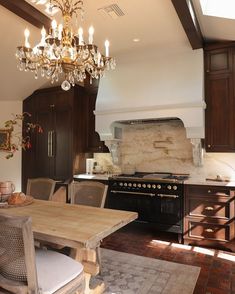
{"type": "Point", "coordinates": [218, 8]}
{"type": "Point", "coordinates": [136, 40]}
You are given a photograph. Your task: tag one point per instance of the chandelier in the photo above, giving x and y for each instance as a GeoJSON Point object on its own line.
{"type": "Point", "coordinates": [63, 51]}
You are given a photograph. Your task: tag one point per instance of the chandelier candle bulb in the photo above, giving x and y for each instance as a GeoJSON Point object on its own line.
{"type": "Point", "coordinates": [26, 34]}
{"type": "Point", "coordinates": [54, 27]}
{"type": "Point", "coordinates": [80, 36]}
{"type": "Point", "coordinates": [43, 33]}
{"type": "Point", "coordinates": [91, 33]}
{"type": "Point", "coordinates": [107, 48]}
{"type": "Point", "coordinates": [60, 30]}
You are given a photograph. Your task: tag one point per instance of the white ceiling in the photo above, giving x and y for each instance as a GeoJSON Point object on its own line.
{"type": "Point", "coordinates": [154, 22]}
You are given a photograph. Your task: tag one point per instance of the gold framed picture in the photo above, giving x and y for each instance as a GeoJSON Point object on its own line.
{"type": "Point", "coordinates": [5, 139]}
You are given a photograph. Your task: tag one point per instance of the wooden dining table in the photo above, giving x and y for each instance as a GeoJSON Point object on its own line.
{"type": "Point", "coordinates": [79, 227]}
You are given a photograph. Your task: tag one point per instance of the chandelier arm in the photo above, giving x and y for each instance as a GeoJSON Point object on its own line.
{"type": "Point", "coordinates": [57, 5]}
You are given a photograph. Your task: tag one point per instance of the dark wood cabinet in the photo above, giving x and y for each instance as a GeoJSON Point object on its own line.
{"type": "Point", "coordinates": [58, 152]}
{"type": "Point", "coordinates": [209, 216]}
{"type": "Point", "coordinates": [93, 142]}
{"type": "Point", "coordinates": [219, 92]}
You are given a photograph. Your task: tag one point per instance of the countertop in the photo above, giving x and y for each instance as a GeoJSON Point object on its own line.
{"type": "Point", "coordinates": [103, 177]}
{"type": "Point", "coordinates": [190, 181]}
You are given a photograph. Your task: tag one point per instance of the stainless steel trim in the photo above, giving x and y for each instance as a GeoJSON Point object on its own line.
{"type": "Point", "coordinates": [168, 196]}
{"type": "Point", "coordinates": [135, 193]}
{"type": "Point", "coordinates": [49, 143]}
{"type": "Point", "coordinates": [52, 143]}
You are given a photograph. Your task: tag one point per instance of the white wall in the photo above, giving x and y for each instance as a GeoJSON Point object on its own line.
{"type": "Point", "coordinates": [10, 169]}
{"type": "Point", "coordinates": [155, 77]}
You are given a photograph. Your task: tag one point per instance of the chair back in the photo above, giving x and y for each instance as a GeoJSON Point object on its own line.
{"type": "Point", "coordinates": [17, 254]}
{"type": "Point", "coordinates": [41, 188]}
{"type": "Point", "coordinates": [88, 193]}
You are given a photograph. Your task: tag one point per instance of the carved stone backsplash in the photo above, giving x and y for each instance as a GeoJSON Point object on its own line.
{"type": "Point", "coordinates": [163, 146]}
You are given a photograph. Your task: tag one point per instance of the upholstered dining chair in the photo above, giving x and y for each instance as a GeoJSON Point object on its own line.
{"type": "Point", "coordinates": [90, 193]}
{"type": "Point", "coordinates": [41, 188]}
{"type": "Point", "coordinates": [24, 270]}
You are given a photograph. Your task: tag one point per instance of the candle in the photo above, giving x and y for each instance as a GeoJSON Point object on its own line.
{"type": "Point", "coordinates": [43, 33]}
{"type": "Point", "coordinates": [106, 48]}
{"type": "Point", "coordinates": [54, 27]}
{"type": "Point", "coordinates": [91, 33]}
{"type": "Point", "coordinates": [60, 30]}
{"type": "Point", "coordinates": [80, 36]}
{"type": "Point", "coordinates": [26, 34]}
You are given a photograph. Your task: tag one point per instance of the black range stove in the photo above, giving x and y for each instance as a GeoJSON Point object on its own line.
{"type": "Point", "coordinates": [157, 197]}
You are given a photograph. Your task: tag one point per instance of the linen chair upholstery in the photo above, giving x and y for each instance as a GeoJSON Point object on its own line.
{"type": "Point", "coordinates": [24, 271]}
{"type": "Point", "coordinates": [41, 188]}
{"type": "Point", "coordinates": [88, 193]}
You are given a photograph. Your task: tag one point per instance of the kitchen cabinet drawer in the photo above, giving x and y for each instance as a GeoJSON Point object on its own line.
{"type": "Point", "coordinates": [209, 191]}
{"type": "Point", "coordinates": [201, 207]}
{"type": "Point", "coordinates": [209, 231]}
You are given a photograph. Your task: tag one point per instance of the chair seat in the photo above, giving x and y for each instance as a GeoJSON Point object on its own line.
{"type": "Point", "coordinates": [55, 270]}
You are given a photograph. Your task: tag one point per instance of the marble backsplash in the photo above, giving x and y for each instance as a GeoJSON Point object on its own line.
{"type": "Point", "coordinates": [163, 146]}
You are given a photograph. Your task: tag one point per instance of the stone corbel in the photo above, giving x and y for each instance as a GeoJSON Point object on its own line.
{"type": "Point", "coordinates": [197, 151]}
{"type": "Point", "coordinates": [114, 148]}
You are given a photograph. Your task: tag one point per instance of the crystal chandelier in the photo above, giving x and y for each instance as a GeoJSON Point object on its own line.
{"type": "Point", "coordinates": [64, 52]}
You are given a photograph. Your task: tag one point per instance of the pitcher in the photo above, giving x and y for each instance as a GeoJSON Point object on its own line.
{"type": "Point", "coordinates": [7, 187]}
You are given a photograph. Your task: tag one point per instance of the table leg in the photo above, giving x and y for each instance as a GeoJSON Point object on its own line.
{"type": "Point", "coordinates": [88, 257]}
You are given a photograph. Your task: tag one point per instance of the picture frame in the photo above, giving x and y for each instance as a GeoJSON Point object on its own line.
{"type": "Point", "coordinates": [5, 139]}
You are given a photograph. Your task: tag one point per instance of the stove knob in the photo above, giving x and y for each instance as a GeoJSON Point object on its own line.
{"type": "Point", "coordinates": [134, 185]}
{"type": "Point", "coordinates": [125, 184]}
{"type": "Point", "coordinates": [130, 184]}
{"type": "Point", "coordinates": [143, 185]}
{"type": "Point", "coordinates": [149, 186]}
{"type": "Point", "coordinates": [154, 186]}
{"type": "Point", "coordinates": [169, 187]}
{"type": "Point", "coordinates": [159, 187]}
{"type": "Point", "coordinates": [121, 184]}
{"type": "Point", "coordinates": [139, 185]}
{"type": "Point", "coordinates": [175, 188]}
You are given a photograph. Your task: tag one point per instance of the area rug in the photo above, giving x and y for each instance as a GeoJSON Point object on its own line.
{"type": "Point", "coordinates": [125, 273]}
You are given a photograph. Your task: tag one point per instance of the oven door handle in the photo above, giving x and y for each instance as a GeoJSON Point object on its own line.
{"type": "Point", "coordinates": [168, 196]}
{"type": "Point", "coordinates": [133, 193]}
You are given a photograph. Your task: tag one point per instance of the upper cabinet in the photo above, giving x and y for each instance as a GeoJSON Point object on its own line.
{"type": "Point", "coordinates": [219, 92]}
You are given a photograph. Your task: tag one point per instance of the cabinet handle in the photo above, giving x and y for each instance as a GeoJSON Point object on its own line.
{"type": "Point", "coordinates": [48, 143]}
{"type": "Point", "coordinates": [209, 146]}
{"type": "Point", "coordinates": [52, 105]}
{"type": "Point", "coordinates": [209, 191]}
{"type": "Point", "coordinates": [209, 230]}
{"type": "Point", "coordinates": [209, 208]}
{"type": "Point", "coordinates": [52, 143]}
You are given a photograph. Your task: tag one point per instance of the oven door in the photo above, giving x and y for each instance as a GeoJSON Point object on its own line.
{"type": "Point", "coordinates": [131, 201]}
{"type": "Point", "coordinates": [167, 209]}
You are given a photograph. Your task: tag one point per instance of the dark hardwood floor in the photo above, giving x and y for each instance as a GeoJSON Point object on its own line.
{"type": "Point", "coordinates": [217, 274]}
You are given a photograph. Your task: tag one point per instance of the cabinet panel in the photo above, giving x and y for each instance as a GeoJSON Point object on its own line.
{"type": "Point", "coordinates": [219, 61]}
{"type": "Point", "coordinates": [219, 113]}
{"type": "Point", "coordinates": [209, 231]}
{"type": "Point", "coordinates": [202, 207]}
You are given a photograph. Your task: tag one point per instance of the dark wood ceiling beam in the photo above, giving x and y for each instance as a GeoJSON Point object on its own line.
{"type": "Point", "coordinates": [187, 16]}
{"type": "Point", "coordinates": [26, 11]}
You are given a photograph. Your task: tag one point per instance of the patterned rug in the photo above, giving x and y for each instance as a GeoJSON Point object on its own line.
{"type": "Point", "coordinates": [125, 273]}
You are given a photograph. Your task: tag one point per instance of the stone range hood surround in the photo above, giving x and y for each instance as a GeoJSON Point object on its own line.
{"type": "Point", "coordinates": [109, 124]}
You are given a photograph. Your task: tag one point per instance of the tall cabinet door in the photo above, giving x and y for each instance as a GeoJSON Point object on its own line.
{"type": "Point", "coordinates": [219, 113]}
{"type": "Point", "coordinates": [62, 143]}
{"type": "Point", "coordinates": [44, 156]}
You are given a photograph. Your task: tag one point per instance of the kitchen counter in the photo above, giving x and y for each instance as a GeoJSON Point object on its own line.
{"type": "Point", "coordinates": [195, 181]}
{"type": "Point", "coordinates": [98, 177]}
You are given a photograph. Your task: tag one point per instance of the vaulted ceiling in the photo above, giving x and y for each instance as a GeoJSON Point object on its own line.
{"type": "Point", "coordinates": [154, 22]}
